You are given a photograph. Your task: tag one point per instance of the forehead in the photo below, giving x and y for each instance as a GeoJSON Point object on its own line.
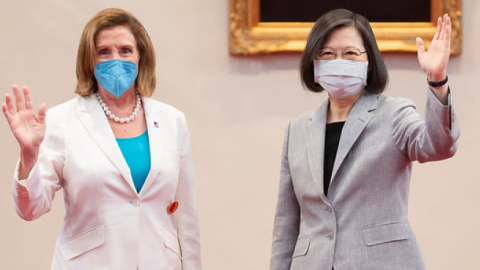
{"type": "Point", "coordinates": [115, 35]}
{"type": "Point", "coordinates": [344, 37]}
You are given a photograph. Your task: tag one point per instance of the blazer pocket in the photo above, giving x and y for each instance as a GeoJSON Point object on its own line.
{"type": "Point", "coordinates": [86, 241]}
{"type": "Point", "coordinates": [301, 248]}
{"type": "Point", "coordinates": [171, 242]}
{"type": "Point", "coordinates": [384, 233]}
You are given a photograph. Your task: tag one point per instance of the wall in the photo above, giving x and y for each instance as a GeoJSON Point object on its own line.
{"type": "Point", "coordinates": [237, 109]}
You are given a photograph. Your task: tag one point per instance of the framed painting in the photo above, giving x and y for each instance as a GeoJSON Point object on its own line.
{"type": "Point", "coordinates": [282, 26]}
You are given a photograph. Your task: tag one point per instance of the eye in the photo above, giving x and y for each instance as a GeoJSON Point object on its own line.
{"type": "Point", "coordinates": [351, 52]}
{"type": "Point", "coordinates": [327, 53]}
{"type": "Point", "coordinates": [126, 50]}
{"type": "Point", "coordinates": [103, 52]}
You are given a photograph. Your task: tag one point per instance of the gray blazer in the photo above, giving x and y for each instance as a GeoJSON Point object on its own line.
{"type": "Point", "coordinates": [363, 224]}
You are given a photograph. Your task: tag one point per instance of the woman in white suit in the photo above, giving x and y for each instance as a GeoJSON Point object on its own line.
{"type": "Point", "coordinates": [123, 160]}
{"type": "Point", "coordinates": [346, 166]}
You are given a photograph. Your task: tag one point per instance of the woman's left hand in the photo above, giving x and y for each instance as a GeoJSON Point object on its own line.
{"type": "Point", "coordinates": [434, 61]}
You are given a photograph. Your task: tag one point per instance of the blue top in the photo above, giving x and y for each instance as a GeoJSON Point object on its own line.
{"type": "Point", "coordinates": [136, 152]}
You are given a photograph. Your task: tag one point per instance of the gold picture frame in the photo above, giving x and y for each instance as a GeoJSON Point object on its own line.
{"type": "Point", "coordinates": [249, 36]}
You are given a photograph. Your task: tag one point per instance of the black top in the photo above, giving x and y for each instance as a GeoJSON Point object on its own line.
{"type": "Point", "coordinates": [332, 138]}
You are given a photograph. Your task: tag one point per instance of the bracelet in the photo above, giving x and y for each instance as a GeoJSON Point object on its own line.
{"type": "Point", "coordinates": [438, 83]}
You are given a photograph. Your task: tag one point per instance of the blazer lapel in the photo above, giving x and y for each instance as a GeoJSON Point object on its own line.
{"type": "Point", "coordinates": [157, 140]}
{"type": "Point", "coordinates": [93, 118]}
{"type": "Point", "coordinates": [315, 143]}
{"type": "Point", "coordinates": [356, 122]}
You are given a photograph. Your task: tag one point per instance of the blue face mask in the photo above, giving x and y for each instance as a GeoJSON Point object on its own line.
{"type": "Point", "coordinates": [116, 76]}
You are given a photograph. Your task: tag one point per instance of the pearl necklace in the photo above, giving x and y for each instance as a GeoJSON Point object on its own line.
{"type": "Point", "coordinates": [117, 119]}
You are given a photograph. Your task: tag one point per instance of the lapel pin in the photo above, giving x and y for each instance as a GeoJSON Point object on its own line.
{"type": "Point", "coordinates": [155, 124]}
{"type": "Point", "coordinates": [172, 208]}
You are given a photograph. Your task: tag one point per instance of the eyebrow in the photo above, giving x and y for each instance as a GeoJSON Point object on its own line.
{"type": "Point", "coordinates": [346, 48]}
{"type": "Point", "coordinates": [99, 47]}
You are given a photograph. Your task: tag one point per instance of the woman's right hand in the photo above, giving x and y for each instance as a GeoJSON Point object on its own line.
{"type": "Point", "coordinates": [28, 128]}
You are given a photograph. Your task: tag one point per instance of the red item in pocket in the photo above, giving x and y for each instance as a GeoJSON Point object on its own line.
{"type": "Point", "coordinates": [172, 208]}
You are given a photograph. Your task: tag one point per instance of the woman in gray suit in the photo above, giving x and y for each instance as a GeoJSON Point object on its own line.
{"type": "Point", "coordinates": [346, 166]}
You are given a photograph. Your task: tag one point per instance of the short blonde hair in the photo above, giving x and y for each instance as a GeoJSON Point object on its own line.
{"type": "Point", "coordinates": [110, 17]}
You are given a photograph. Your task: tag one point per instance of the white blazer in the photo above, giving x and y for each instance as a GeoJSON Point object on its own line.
{"type": "Point", "coordinates": [108, 225]}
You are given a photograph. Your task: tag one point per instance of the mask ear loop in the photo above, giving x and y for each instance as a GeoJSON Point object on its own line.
{"type": "Point", "coordinates": [135, 82]}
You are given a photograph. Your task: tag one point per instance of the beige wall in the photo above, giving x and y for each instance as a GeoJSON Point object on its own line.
{"type": "Point", "coordinates": [237, 109]}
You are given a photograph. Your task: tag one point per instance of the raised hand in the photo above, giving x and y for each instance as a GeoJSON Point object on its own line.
{"type": "Point", "coordinates": [28, 128]}
{"type": "Point", "coordinates": [434, 61]}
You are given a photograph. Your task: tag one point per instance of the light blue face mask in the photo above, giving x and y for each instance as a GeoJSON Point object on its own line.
{"type": "Point", "coordinates": [116, 76]}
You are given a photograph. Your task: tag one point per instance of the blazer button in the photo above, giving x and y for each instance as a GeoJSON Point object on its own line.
{"type": "Point", "coordinates": [328, 208]}
{"type": "Point", "coordinates": [135, 203]}
{"type": "Point", "coordinates": [329, 236]}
